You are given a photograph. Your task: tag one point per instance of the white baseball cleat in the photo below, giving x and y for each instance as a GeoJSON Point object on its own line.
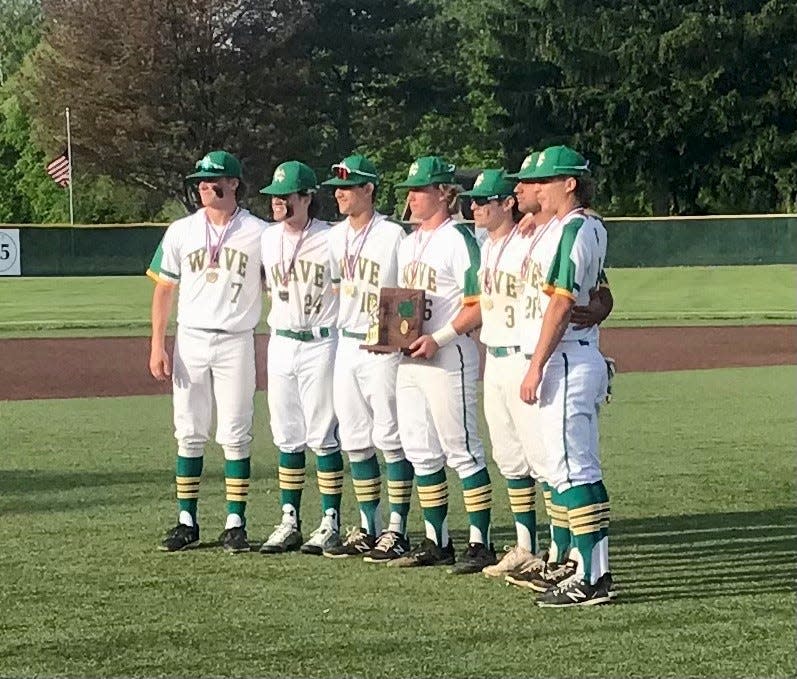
{"type": "Point", "coordinates": [515, 559]}
{"type": "Point", "coordinates": [325, 537]}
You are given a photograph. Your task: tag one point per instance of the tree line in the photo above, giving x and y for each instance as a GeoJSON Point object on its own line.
{"type": "Point", "coordinates": [682, 107]}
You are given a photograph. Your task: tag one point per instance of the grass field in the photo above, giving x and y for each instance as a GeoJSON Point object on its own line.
{"type": "Point", "coordinates": [701, 471]}
{"type": "Point", "coordinates": [695, 295]}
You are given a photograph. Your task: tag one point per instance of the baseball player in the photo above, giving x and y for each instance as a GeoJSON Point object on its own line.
{"type": "Point", "coordinates": [212, 259]}
{"type": "Point", "coordinates": [510, 421]}
{"type": "Point", "coordinates": [538, 258]}
{"type": "Point", "coordinates": [436, 384]}
{"type": "Point", "coordinates": [363, 252]}
{"type": "Point", "coordinates": [567, 376]}
{"type": "Point", "coordinates": [301, 353]}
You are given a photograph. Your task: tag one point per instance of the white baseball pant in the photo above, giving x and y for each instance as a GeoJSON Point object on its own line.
{"type": "Point", "coordinates": [300, 394]}
{"type": "Point", "coordinates": [364, 389]}
{"type": "Point", "coordinates": [211, 366]}
{"type": "Point", "coordinates": [514, 425]}
{"type": "Point", "coordinates": [573, 386]}
{"type": "Point", "coordinates": [437, 410]}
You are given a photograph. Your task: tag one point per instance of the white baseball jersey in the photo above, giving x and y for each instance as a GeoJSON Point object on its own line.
{"type": "Point", "coordinates": [225, 296]}
{"type": "Point", "coordinates": [577, 267]}
{"type": "Point", "coordinates": [539, 250]}
{"type": "Point", "coordinates": [298, 277]}
{"type": "Point", "coordinates": [499, 277]}
{"type": "Point", "coordinates": [373, 265]}
{"type": "Point", "coordinates": [445, 263]}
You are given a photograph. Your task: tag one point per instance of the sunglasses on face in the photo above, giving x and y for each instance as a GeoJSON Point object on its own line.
{"type": "Point", "coordinates": [342, 172]}
{"type": "Point", "coordinates": [481, 201]}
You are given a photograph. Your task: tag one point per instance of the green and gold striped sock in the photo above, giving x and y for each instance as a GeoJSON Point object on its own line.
{"type": "Point", "coordinates": [522, 500]}
{"type": "Point", "coordinates": [236, 480]}
{"type": "Point", "coordinates": [330, 482]}
{"type": "Point", "coordinates": [368, 490]}
{"type": "Point", "coordinates": [399, 494]}
{"type": "Point", "coordinates": [560, 528]}
{"type": "Point", "coordinates": [433, 494]}
{"type": "Point", "coordinates": [585, 516]}
{"type": "Point", "coordinates": [291, 479]}
{"type": "Point", "coordinates": [187, 476]}
{"type": "Point", "coordinates": [478, 494]}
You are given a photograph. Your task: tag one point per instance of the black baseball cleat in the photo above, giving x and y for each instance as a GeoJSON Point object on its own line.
{"type": "Point", "coordinates": [234, 540]}
{"type": "Point", "coordinates": [541, 580]}
{"type": "Point", "coordinates": [427, 553]}
{"type": "Point", "coordinates": [606, 583]}
{"type": "Point", "coordinates": [574, 592]}
{"type": "Point", "coordinates": [357, 543]}
{"type": "Point", "coordinates": [476, 557]}
{"type": "Point", "coordinates": [389, 545]}
{"type": "Point", "coordinates": [179, 538]}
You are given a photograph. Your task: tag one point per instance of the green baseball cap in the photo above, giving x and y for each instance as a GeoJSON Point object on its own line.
{"type": "Point", "coordinates": [214, 165]}
{"type": "Point", "coordinates": [428, 170]}
{"type": "Point", "coordinates": [353, 170]}
{"type": "Point", "coordinates": [291, 176]}
{"type": "Point", "coordinates": [491, 184]}
{"type": "Point", "coordinates": [559, 161]}
{"type": "Point", "coordinates": [527, 167]}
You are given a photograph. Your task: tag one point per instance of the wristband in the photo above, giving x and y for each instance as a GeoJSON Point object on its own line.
{"type": "Point", "coordinates": [445, 335]}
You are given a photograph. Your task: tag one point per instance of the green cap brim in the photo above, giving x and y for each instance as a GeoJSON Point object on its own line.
{"type": "Point", "coordinates": [335, 181]}
{"type": "Point", "coordinates": [199, 176]}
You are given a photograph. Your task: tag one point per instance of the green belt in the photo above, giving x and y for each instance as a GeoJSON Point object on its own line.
{"type": "Point", "coordinates": [354, 335]}
{"type": "Point", "coordinates": [502, 352]}
{"type": "Point", "coordinates": [303, 335]}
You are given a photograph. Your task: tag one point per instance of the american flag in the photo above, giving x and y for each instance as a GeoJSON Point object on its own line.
{"type": "Point", "coordinates": [59, 170]}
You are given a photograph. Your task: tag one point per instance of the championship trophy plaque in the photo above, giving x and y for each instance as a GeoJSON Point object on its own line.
{"type": "Point", "coordinates": [398, 320]}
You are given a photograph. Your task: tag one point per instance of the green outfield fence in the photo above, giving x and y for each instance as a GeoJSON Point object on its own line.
{"type": "Point", "coordinates": [125, 249]}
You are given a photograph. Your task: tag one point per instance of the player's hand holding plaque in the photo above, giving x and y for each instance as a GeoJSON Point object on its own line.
{"type": "Point", "coordinates": [398, 322]}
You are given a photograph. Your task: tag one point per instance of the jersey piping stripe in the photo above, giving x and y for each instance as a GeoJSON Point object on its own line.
{"type": "Point", "coordinates": [464, 405]}
{"type": "Point", "coordinates": [564, 420]}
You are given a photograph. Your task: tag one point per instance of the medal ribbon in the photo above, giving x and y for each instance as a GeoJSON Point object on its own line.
{"type": "Point", "coordinates": [416, 260]}
{"type": "Point", "coordinates": [285, 275]}
{"type": "Point", "coordinates": [215, 251]}
{"type": "Point", "coordinates": [489, 273]}
{"type": "Point", "coordinates": [350, 263]}
{"type": "Point", "coordinates": [524, 267]}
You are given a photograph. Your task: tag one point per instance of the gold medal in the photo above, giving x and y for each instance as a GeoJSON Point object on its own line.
{"type": "Point", "coordinates": [404, 327]}
{"type": "Point", "coordinates": [212, 276]}
{"type": "Point", "coordinates": [350, 290]}
{"type": "Point", "coordinates": [487, 303]}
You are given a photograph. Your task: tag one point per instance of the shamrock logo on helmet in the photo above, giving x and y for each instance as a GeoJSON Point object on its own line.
{"type": "Point", "coordinates": [413, 169]}
{"type": "Point", "coordinates": [208, 164]}
{"type": "Point", "coordinates": [526, 162]}
{"type": "Point", "coordinates": [279, 175]}
{"type": "Point", "coordinates": [479, 180]}
{"type": "Point", "coordinates": [541, 159]}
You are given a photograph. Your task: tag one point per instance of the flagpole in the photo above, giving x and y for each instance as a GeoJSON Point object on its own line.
{"type": "Point", "coordinates": [69, 160]}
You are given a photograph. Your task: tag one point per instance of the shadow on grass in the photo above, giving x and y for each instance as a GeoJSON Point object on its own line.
{"type": "Point", "coordinates": [24, 491]}
{"type": "Point", "coordinates": [697, 556]}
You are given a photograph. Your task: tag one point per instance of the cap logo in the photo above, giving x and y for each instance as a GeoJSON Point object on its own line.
{"type": "Point", "coordinates": [479, 180]}
{"type": "Point", "coordinates": [208, 164]}
{"type": "Point", "coordinates": [279, 175]}
{"type": "Point", "coordinates": [413, 169]}
{"type": "Point", "coordinates": [541, 159]}
{"type": "Point", "coordinates": [526, 162]}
